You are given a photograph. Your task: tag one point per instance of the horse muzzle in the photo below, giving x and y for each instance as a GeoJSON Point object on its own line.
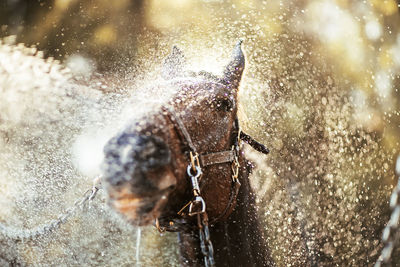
{"type": "Point", "coordinates": [138, 176]}
{"type": "Point", "coordinates": [141, 210]}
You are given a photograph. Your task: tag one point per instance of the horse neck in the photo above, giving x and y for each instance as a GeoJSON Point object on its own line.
{"type": "Point", "coordinates": [238, 241]}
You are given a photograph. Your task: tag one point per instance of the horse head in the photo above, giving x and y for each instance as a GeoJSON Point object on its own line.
{"type": "Point", "coordinates": [145, 170]}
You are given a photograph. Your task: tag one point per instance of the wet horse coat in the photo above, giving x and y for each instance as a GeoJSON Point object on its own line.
{"type": "Point", "coordinates": [145, 167]}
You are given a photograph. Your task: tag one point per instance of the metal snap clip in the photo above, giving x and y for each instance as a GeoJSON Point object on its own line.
{"type": "Point", "coordinates": [197, 206]}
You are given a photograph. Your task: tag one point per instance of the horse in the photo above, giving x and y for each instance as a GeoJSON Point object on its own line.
{"type": "Point", "coordinates": [182, 168]}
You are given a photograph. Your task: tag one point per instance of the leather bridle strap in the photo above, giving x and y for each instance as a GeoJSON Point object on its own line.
{"type": "Point", "coordinates": [205, 159]}
{"type": "Point", "coordinates": [253, 143]}
{"type": "Point", "coordinates": [185, 136]}
{"type": "Point", "coordinates": [217, 157]}
{"type": "Point", "coordinates": [227, 156]}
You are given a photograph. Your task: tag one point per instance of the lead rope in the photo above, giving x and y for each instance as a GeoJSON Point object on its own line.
{"type": "Point", "coordinates": [49, 227]}
{"type": "Point", "coordinates": [391, 233]}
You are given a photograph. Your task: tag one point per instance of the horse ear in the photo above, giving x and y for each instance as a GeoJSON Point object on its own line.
{"type": "Point", "coordinates": [234, 70]}
{"type": "Point", "coordinates": [173, 64]}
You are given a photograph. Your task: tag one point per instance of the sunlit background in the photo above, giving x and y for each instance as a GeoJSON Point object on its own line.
{"type": "Point", "coordinates": [320, 90]}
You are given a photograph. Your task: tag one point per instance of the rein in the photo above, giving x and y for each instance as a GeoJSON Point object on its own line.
{"type": "Point", "coordinates": [197, 206]}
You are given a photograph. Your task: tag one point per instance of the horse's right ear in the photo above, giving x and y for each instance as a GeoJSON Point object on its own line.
{"type": "Point", "coordinates": [174, 64]}
{"type": "Point", "coordinates": [234, 70]}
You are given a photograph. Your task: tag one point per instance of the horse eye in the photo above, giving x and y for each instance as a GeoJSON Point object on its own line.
{"type": "Point", "coordinates": [224, 104]}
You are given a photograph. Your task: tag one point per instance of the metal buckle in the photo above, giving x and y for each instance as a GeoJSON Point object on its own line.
{"type": "Point", "coordinates": [198, 202]}
{"type": "Point", "coordinates": [193, 178]}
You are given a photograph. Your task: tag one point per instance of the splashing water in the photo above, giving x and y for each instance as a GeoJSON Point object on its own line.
{"type": "Point", "coordinates": [52, 131]}
{"type": "Point", "coordinates": [138, 236]}
{"type": "Point", "coordinates": [322, 192]}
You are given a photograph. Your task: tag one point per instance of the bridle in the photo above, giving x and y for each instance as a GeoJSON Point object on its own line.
{"type": "Point", "coordinates": [199, 161]}
{"type": "Point", "coordinates": [197, 206]}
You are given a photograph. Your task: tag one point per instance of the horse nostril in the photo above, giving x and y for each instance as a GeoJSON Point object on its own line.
{"type": "Point", "coordinates": [171, 187]}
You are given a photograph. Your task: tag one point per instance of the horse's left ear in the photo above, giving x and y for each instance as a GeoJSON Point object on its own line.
{"type": "Point", "coordinates": [174, 64]}
{"type": "Point", "coordinates": [234, 70]}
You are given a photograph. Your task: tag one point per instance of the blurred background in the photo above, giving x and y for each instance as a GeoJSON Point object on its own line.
{"type": "Point", "coordinates": [320, 90]}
